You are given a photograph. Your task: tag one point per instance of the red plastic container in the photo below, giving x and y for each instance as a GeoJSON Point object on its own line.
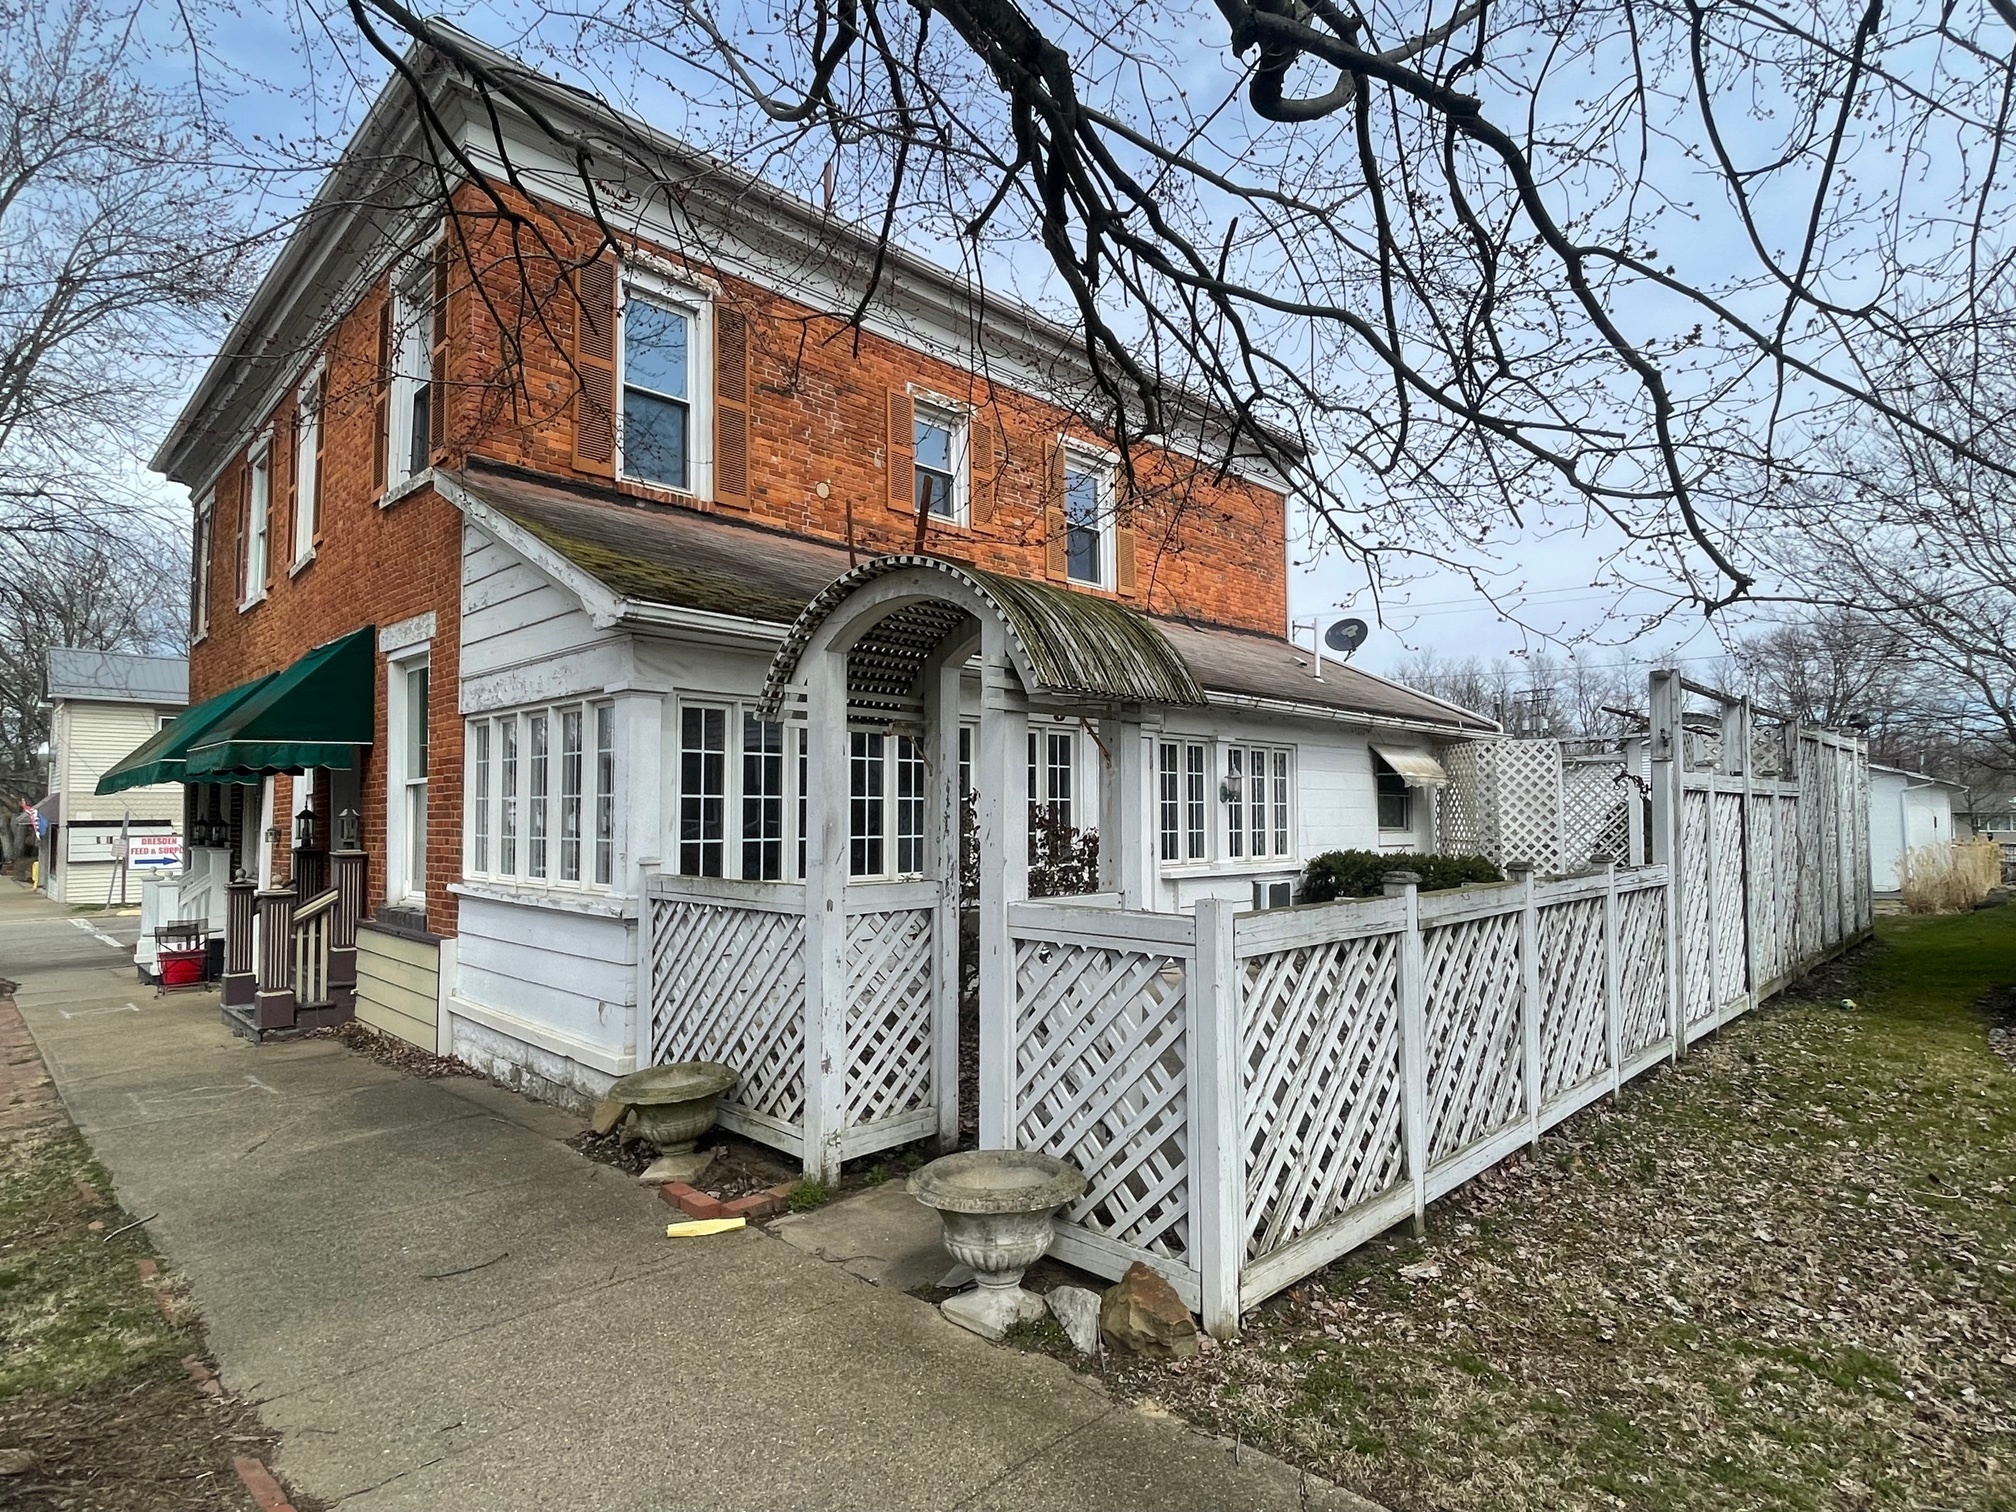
{"type": "Point", "coordinates": [181, 968]}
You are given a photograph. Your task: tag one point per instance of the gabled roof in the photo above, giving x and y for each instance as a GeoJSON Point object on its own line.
{"type": "Point", "coordinates": [645, 556]}
{"type": "Point", "coordinates": [117, 677]}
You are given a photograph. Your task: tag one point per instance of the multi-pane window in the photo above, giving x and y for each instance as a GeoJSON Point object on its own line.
{"type": "Point", "coordinates": [507, 796]}
{"type": "Point", "coordinates": [1053, 760]}
{"type": "Point", "coordinates": [1395, 800]}
{"type": "Point", "coordinates": [867, 785]}
{"type": "Point", "coordinates": [605, 793]}
{"type": "Point", "coordinates": [534, 781]}
{"type": "Point", "coordinates": [308, 468]}
{"type": "Point", "coordinates": [410, 414]}
{"type": "Point", "coordinates": [937, 443]}
{"type": "Point", "coordinates": [703, 790]}
{"type": "Point", "coordinates": [1258, 782]}
{"type": "Point", "coordinates": [804, 768]}
{"type": "Point", "coordinates": [479, 793]}
{"type": "Point", "coordinates": [258, 516]}
{"type": "Point", "coordinates": [199, 568]}
{"type": "Point", "coordinates": [570, 795]}
{"type": "Point", "coordinates": [762, 798]}
{"type": "Point", "coordinates": [413, 778]}
{"type": "Point", "coordinates": [1086, 485]}
{"type": "Point", "coordinates": [538, 759]}
{"type": "Point", "coordinates": [965, 762]}
{"type": "Point", "coordinates": [657, 393]}
{"type": "Point", "coordinates": [909, 805]}
{"type": "Point", "coordinates": [1179, 791]}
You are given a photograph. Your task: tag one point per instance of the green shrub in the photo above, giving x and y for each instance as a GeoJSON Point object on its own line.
{"type": "Point", "coordinates": [1362, 873]}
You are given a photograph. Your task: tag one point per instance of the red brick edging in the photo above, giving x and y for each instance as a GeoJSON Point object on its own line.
{"type": "Point", "coordinates": [27, 1096]}
{"type": "Point", "coordinates": [266, 1492]}
{"type": "Point", "coordinates": [695, 1203]}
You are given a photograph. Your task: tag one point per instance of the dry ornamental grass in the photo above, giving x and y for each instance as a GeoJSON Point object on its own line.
{"type": "Point", "coordinates": [1948, 878]}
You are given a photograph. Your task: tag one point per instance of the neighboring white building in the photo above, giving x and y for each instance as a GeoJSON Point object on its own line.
{"type": "Point", "coordinates": [1907, 810]}
{"type": "Point", "coordinates": [104, 703]}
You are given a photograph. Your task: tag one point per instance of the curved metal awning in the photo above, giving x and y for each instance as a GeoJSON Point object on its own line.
{"type": "Point", "coordinates": [1064, 644]}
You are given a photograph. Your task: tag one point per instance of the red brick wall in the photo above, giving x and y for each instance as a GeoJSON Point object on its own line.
{"type": "Point", "coordinates": [1207, 547]}
{"type": "Point", "coordinates": [372, 566]}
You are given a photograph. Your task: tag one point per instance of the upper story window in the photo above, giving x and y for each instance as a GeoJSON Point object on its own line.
{"type": "Point", "coordinates": [409, 414]}
{"type": "Point", "coordinates": [659, 390]}
{"type": "Point", "coordinates": [1396, 799]}
{"type": "Point", "coordinates": [1088, 521]}
{"type": "Point", "coordinates": [200, 543]}
{"type": "Point", "coordinates": [940, 444]}
{"type": "Point", "coordinates": [308, 466]}
{"type": "Point", "coordinates": [258, 521]}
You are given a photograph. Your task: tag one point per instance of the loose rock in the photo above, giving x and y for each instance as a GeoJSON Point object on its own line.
{"type": "Point", "coordinates": [688, 1168]}
{"type": "Point", "coordinates": [1077, 1309]}
{"type": "Point", "coordinates": [608, 1114]}
{"type": "Point", "coordinates": [1143, 1314]}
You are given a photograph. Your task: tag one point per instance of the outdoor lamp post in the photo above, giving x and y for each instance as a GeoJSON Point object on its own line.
{"type": "Point", "coordinates": [304, 830]}
{"type": "Point", "coordinates": [346, 830]}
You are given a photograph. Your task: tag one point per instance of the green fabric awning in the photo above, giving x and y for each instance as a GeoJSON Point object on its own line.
{"type": "Point", "coordinates": [163, 756]}
{"type": "Point", "coordinates": [314, 714]}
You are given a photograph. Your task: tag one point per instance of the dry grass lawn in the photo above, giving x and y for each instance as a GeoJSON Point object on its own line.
{"type": "Point", "coordinates": [1780, 1276]}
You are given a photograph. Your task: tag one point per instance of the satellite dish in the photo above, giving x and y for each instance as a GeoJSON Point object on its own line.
{"type": "Point", "coordinates": [1346, 636]}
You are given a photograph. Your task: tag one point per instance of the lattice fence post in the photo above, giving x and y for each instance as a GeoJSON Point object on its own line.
{"type": "Point", "coordinates": [947, 857]}
{"type": "Point", "coordinates": [1004, 877]}
{"type": "Point", "coordinates": [1748, 839]}
{"type": "Point", "coordinates": [826, 853]}
{"type": "Point", "coordinates": [1217, 1137]}
{"type": "Point", "coordinates": [1668, 793]}
{"type": "Point", "coordinates": [1413, 984]}
{"type": "Point", "coordinates": [1531, 1072]}
{"type": "Point", "coordinates": [1613, 996]}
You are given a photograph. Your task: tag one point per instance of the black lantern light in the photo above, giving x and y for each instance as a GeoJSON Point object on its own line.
{"type": "Point", "coordinates": [304, 830]}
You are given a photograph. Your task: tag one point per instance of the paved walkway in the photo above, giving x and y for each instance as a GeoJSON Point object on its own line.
{"type": "Point", "coordinates": [440, 1305]}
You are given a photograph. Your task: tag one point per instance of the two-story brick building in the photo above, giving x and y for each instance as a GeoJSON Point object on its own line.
{"type": "Point", "coordinates": [578, 497]}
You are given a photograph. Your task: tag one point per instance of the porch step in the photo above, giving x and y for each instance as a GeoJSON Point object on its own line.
{"type": "Point", "coordinates": [244, 1021]}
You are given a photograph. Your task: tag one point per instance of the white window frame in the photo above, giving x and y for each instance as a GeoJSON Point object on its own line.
{"type": "Point", "coordinates": [1193, 788]}
{"type": "Point", "coordinates": [402, 889]}
{"type": "Point", "coordinates": [698, 308]}
{"type": "Point", "coordinates": [1406, 794]}
{"type": "Point", "coordinates": [1085, 459]}
{"type": "Point", "coordinates": [259, 514]}
{"type": "Point", "coordinates": [308, 401]}
{"type": "Point", "coordinates": [485, 806]}
{"type": "Point", "coordinates": [202, 548]}
{"type": "Point", "coordinates": [412, 364]}
{"type": "Point", "coordinates": [957, 420]}
{"type": "Point", "coordinates": [1283, 839]}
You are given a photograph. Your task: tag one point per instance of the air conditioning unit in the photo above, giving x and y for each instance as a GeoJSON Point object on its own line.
{"type": "Point", "coordinates": [1275, 894]}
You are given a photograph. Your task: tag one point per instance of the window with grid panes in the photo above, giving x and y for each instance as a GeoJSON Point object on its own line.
{"type": "Point", "coordinates": [1179, 791]}
{"type": "Point", "coordinates": [703, 790]}
{"type": "Point", "coordinates": [762, 799]}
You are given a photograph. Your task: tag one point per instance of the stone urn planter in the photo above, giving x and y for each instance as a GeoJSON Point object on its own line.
{"type": "Point", "coordinates": [675, 1103]}
{"type": "Point", "coordinates": [996, 1207]}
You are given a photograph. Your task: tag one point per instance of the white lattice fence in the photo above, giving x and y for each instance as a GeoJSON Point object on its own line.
{"type": "Point", "coordinates": [1597, 803]}
{"type": "Point", "coordinates": [1573, 1043]}
{"type": "Point", "coordinates": [1504, 800]}
{"type": "Point", "coordinates": [1471, 983]}
{"type": "Point", "coordinates": [1731, 977]}
{"type": "Point", "coordinates": [1101, 1078]}
{"type": "Point", "coordinates": [1641, 969]}
{"type": "Point", "coordinates": [889, 1007]}
{"type": "Point", "coordinates": [1698, 1001]}
{"type": "Point", "coordinates": [728, 984]}
{"type": "Point", "coordinates": [1320, 1083]}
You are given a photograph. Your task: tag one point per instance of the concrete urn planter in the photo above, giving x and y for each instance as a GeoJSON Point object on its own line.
{"type": "Point", "coordinates": [996, 1206]}
{"type": "Point", "coordinates": [674, 1104]}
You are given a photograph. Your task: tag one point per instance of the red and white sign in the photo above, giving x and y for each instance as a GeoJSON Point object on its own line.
{"type": "Point", "coordinates": [154, 848]}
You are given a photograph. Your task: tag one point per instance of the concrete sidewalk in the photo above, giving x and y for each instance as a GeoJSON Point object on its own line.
{"type": "Point", "coordinates": [440, 1305]}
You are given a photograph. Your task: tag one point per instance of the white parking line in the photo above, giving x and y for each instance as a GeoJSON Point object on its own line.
{"type": "Point", "coordinates": [97, 934]}
{"type": "Point", "coordinates": [78, 1013]}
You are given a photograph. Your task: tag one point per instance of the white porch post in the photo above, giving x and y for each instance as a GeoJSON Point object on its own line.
{"type": "Point", "coordinates": [1126, 834]}
{"type": "Point", "coordinates": [826, 861]}
{"type": "Point", "coordinates": [1004, 875]}
{"type": "Point", "coordinates": [638, 839]}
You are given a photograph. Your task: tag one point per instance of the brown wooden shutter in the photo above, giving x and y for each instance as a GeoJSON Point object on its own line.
{"type": "Point", "coordinates": [1123, 551]}
{"type": "Point", "coordinates": [381, 397]}
{"type": "Point", "coordinates": [595, 368]}
{"type": "Point", "coordinates": [902, 452]}
{"type": "Point", "coordinates": [983, 471]}
{"type": "Point", "coordinates": [1056, 543]}
{"type": "Point", "coordinates": [437, 373]}
{"type": "Point", "coordinates": [731, 406]}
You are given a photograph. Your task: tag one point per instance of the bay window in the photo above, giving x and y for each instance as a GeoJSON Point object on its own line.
{"type": "Point", "coordinates": [1258, 785]}
{"type": "Point", "coordinates": [533, 784]}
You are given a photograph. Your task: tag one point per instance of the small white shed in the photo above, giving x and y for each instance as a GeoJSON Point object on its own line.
{"type": "Point", "coordinates": [1906, 810]}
